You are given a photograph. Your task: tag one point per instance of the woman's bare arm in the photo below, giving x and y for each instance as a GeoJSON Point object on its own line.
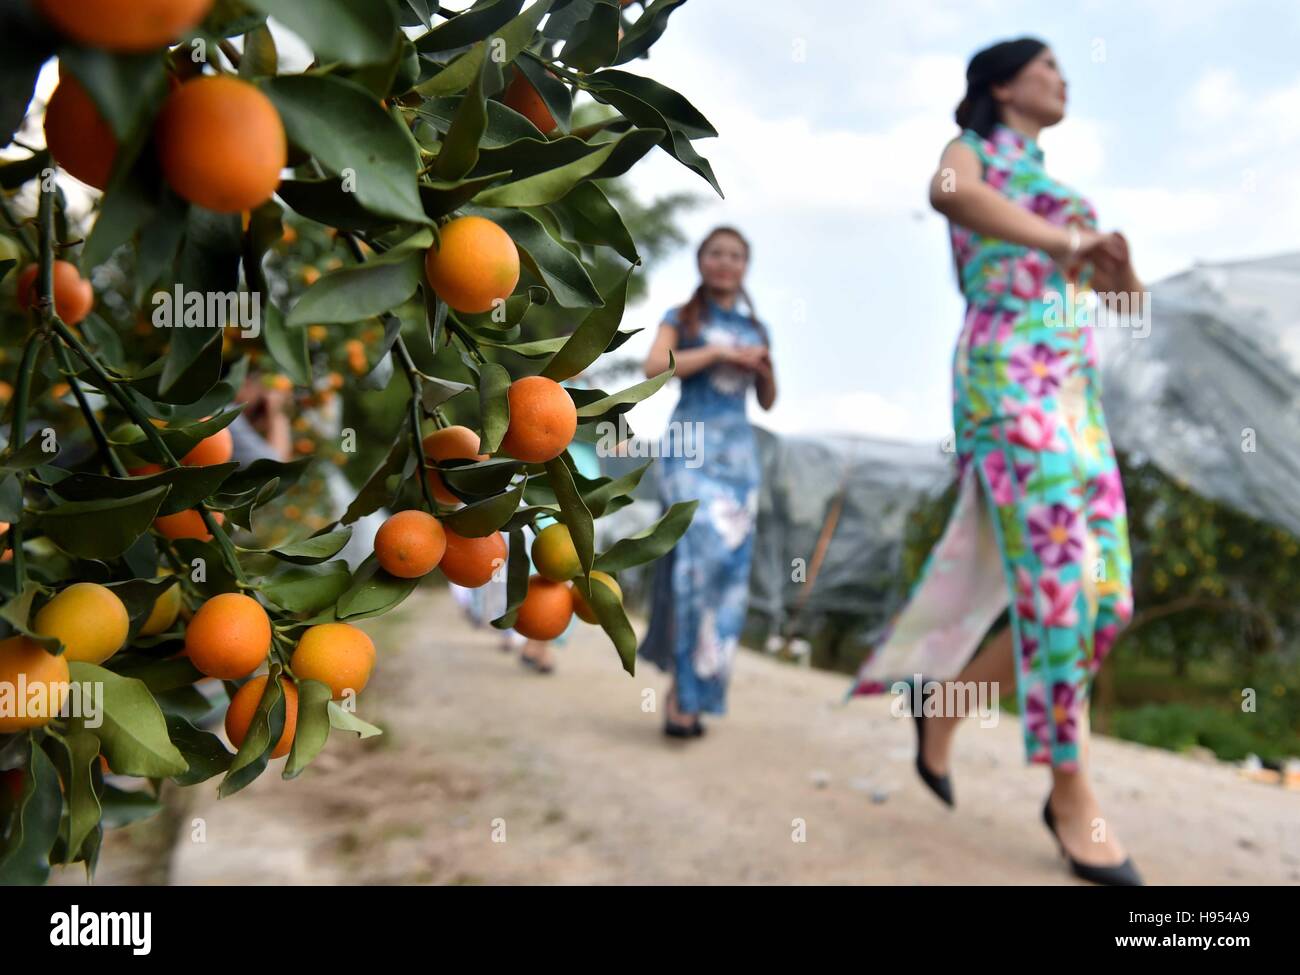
{"type": "Point", "coordinates": [689, 361]}
{"type": "Point", "coordinates": [958, 191]}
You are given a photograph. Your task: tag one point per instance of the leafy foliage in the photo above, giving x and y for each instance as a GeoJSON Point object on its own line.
{"type": "Point", "coordinates": [403, 122]}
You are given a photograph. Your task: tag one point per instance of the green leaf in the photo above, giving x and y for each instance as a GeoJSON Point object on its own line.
{"type": "Point", "coordinates": [355, 32]}
{"type": "Point", "coordinates": [206, 755]}
{"type": "Point", "coordinates": [473, 24]}
{"type": "Point", "coordinates": [263, 734]}
{"type": "Point", "coordinates": [647, 29]}
{"type": "Point", "coordinates": [345, 720]}
{"type": "Point", "coordinates": [318, 548]}
{"type": "Point", "coordinates": [259, 57]}
{"type": "Point", "coordinates": [325, 201]}
{"type": "Point", "coordinates": [554, 184]}
{"type": "Point", "coordinates": [346, 129]}
{"type": "Point", "coordinates": [600, 408]}
{"type": "Point", "coordinates": [595, 42]}
{"type": "Point", "coordinates": [518, 568]}
{"type": "Point", "coordinates": [353, 294]}
{"type": "Point", "coordinates": [441, 197]}
{"type": "Point", "coordinates": [187, 486]}
{"type": "Point", "coordinates": [484, 517]}
{"type": "Point", "coordinates": [585, 215]}
{"type": "Point", "coordinates": [308, 588]}
{"type": "Point", "coordinates": [648, 545]}
{"type": "Point", "coordinates": [494, 406]}
{"type": "Point", "coordinates": [133, 733]}
{"type": "Point", "coordinates": [25, 859]}
{"type": "Point", "coordinates": [375, 493]}
{"type": "Point", "coordinates": [613, 620]}
{"type": "Point", "coordinates": [373, 591]}
{"type": "Point", "coordinates": [313, 726]}
{"type": "Point", "coordinates": [79, 752]}
{"type": "Point", "coordinates": [102, 529]}
{"type": "Point", "coordinates": [556, 266]}
{"type": "Point", "coordinates": [287, 345]}
{"type": "Point", "coordinates": [125, 806]}
{"type": "Point", "coordinates": [513, 37]}
{"type": "Point", "coordinates": [650, 105]}
{"type": "Point", "coordinates": [574, 511]}
{"type": "Point", "coordinates": [591, 338]}
{"type": "Point", "coordinates": [459, 150]}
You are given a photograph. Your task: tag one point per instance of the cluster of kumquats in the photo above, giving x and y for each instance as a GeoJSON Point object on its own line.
{"type": "Point", "coordinates": [430, 155]}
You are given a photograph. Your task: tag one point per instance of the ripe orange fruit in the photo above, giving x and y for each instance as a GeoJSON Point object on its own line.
{"type": "Point", "coordinates": [543, 420]}
{"type": "Point", "coordinates": [473, 264]}
{"type": "Point", "coordinates": [77, 135]}
{"type": "Point", "coordinates": [221, 143]}
{"type": "Point", "coordinates": [470, 562]}
{"type": "Point", "coordinates": [45, 680]}
{"type": "Point", "coordinates": [216, 449]}
{"type": "Point", "coordinates": [124, 25]}
{"type": "Point", "coordinates": [356, 353]}
{"type": "Point", "coordinates": [73, 294]}
{"type": "Point", "coordinates": [337, 654]}
{"type": "Point", "coordinates": [580, 604]}
{"type": "Point", "coordinates": [524, 98]}
{"type": "Point", "coordinates": [554, 554]}
{"type": "Point", "coordinates": [450, 443]}
{"type": "Point", "coordinates": [186, 524]}
{"type": "Point", "coordinates": [546, 609]}
{"type": "Point", "coordinates": [239, 715]}
{"type": "Point", "coordinates": [165, 610]}
{"type": "Point", "coordinates": [89, 620]}
{"type": "Point", "coordinates": [410, 544]}
{"type": "Point", "coordinates": [229, 636]}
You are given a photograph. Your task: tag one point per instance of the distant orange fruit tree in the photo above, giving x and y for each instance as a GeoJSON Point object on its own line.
{"type": "Point", "coordinates": [209, 257]}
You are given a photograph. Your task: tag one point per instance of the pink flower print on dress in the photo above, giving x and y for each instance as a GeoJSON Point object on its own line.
{"type": "Point", "coordinates": [997, 178]}
{"type": "Point", "coordinates": [1025, 608]}
{"type": "Point", "coordinates": [1028, 274]}
{"type": "Point", "coordinates": [1057, 601]}
{"type": "Point", "coordinates": [987, 324]}
{"type": "Point", "coordinates": [1032, 426]}
{"type": "Point", "coordinates": [1107, 496]}
{"type": "Point", "coordinates": [1003, 489]}
{"type": "Point", "coordinates": [1055, 534]}
{"type": "Point", "coordinates": [1039, 368]}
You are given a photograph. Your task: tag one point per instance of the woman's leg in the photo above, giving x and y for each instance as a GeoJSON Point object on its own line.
{"type": "Point", "coordinates": [993, 665]}
{"type": "Point", "coordinates": [1083, 830]}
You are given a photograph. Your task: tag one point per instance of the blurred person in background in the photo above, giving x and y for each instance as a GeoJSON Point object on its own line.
{"type": "Point", "coordinates": [701, 587]}
{"type": "Point", "coordinates": [1040, 524]}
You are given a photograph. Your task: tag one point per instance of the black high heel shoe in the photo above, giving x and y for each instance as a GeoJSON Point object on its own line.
{"type": "Point", "coordinates": [1121, 875]}
{"type": "Point", "coordinates": [940, 785]}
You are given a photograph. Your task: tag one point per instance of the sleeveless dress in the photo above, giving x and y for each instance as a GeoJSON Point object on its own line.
{"type": "Point", "coordinates": [701, 587]}
{"type": "Point", "coordinates": [1040, 522]}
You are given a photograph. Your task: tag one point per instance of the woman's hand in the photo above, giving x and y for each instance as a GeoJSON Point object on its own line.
{"type": "Point", "coordinates": [753, 358]}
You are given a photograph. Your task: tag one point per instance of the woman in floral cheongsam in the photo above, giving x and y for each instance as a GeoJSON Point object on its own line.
{"type": "Point", "coordinates": [710, 453]}
{"type": "Point", "coordinates": [1039, 528]}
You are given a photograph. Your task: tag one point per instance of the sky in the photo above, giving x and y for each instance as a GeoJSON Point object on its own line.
{"type": "Point", "coordinates": [1183, 127]}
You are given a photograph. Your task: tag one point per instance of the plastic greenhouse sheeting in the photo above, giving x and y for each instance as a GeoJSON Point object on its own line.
{"type": "Point", "coordinates": [1221, 364]}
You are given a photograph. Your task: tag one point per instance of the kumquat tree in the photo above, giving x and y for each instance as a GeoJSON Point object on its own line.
{"type": "Point", "coordinates": [429, 156]}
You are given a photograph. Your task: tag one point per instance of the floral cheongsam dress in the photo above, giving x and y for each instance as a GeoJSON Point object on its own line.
{"type": "Point", "coordinates": [1040, 524]}
{"type": "Point", "coordinates": [701, 587]}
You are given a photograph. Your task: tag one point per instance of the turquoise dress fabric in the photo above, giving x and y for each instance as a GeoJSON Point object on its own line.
{"type": "Point", "coordinates": [701, 587]}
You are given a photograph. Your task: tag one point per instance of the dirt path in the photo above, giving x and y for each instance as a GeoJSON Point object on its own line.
{"type": "Point", "coordinates": [588, 791]}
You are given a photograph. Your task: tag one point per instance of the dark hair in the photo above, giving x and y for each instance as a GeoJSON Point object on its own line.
{"type": "Point", "coordinates": [691, 313]}
{"type": "Point", "coordinates": [992, 66]}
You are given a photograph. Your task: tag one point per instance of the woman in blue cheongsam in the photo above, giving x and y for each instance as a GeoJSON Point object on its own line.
{"type": "Point", "coordinates": [709, 453]}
